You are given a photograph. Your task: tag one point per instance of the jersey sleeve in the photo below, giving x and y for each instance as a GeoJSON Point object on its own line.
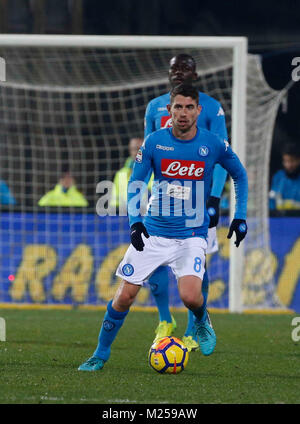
{"type": "Point", "coordinates": [217, 125]}
{"type": "Point", "coordinates": [230, 161]}
{"type": "Point", "coordinates": [217, 122]}
{"type": "Point", "coordinates": [219, 179]}
{"type": "Point", "coordinates": [137, 184]}
{"type": "Point", "coordinates": [149, 124]}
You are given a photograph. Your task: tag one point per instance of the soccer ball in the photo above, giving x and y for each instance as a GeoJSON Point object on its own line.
{"type": "Point", "coordinates": [168, 355]}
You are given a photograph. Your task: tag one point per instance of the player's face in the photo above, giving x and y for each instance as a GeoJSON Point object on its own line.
{"type": "Point", "coordinates": [290, 163]}
{"type": "Point", "coordinates": [181, 70]}
{"type": "Point", "coordinates": [184, 112]}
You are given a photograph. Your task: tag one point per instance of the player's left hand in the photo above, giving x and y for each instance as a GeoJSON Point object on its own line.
{"type": "Point", "coordinates": [213, 211]}
{"type": "Point", "coordinates": [238, 226]}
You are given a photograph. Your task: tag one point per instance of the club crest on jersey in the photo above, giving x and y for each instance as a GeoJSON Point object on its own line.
{"type": "Point", "coordinates": [139, 156]}
{"type": "Point", "coordinates": [127, 270]}
{"type": "Point", "coordinates": [203, 151]}
{"type": "Point", "coordinates": [166, 122]}
{"type": "Point", "coordinates": [182, 169]}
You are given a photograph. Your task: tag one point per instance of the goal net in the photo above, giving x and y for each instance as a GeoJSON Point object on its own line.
{"type": "Point", "coordinates": [73, 106]}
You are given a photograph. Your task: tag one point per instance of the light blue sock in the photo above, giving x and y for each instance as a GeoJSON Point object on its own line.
{"type": "Point", "coordinates": [200, 313]}
{"type": "Point", "coordinates": [190, 324]}
{"type": "Point", "coordinates": [159, 284]}
{"type": "Point", "coordinates": [112, 322]}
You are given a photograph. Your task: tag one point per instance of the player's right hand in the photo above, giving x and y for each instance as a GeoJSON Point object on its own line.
{"type": "Point", "coordinates": [136, 231]}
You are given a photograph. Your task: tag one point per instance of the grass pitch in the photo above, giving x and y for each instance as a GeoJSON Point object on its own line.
{"type": "Point", "coordinates": [255, 361]}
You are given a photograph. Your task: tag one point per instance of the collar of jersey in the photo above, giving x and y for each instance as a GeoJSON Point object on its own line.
{"type": "Point", "coordinates": [183, 141]}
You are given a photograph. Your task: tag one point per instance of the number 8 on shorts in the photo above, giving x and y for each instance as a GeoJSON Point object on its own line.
{"type": "Point", "coordinates": [197, 264]}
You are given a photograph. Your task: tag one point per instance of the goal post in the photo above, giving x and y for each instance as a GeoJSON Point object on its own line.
{"type": "Point", "coordinates": [60, 84]}
{"type": "Point", "coordinates": [238, 142]}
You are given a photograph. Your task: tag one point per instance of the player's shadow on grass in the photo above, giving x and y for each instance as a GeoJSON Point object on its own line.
{"type": "Point", "coordinates": [55, 343]}
{"type": "Point", "coordinates": [247, 354]}
{"type": "Point", "coordinates": [279, 376]}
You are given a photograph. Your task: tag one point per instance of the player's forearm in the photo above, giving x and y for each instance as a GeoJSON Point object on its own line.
{"type": "Point", "coordinates": [134, 210]}
{"type": "Point", "coordinates": [236, 170]}
{"type": "Point", "coordinates": [241, 193]}
{"type": "Point", "coordinates": [135, 192]}
{"type": "Point", "coordinates": [219, 179]}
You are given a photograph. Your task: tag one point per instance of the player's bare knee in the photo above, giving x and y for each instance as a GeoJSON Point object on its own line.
{"type": "Point", "coordinates": [124, 300]}
{"type": "Point", "coordinates": [125, 296]}
{"type": "Point", "coordinates": [187, 299]}
{"type": "Point", "coordinates": [192, 300]}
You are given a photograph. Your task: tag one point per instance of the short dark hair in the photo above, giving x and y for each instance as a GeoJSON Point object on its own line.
{"type": "Point", "coordinates": [185, 90]}
{"type": "Point", "coordinates": [291, 149]}
{"type": "Point", "coordinates": [186, 57]}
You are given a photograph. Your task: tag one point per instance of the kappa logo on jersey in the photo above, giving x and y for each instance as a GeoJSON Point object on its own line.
{"type": "Point", "coordinates": [221, 112]}
{"type": "Point", "coordinates": [226, 145]}
{"type": "Point", "coordinates": [182, 169]}
{"type": "Point", "coordinates": [167, 148]}
{"type": "Point", "coordinates": [166, 122]}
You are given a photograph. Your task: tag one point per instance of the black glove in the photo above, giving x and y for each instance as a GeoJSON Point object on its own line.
{"type": "Point", "coordinates": [212, 207]}
{"type": "Point", "coordinates": [136, 231]}
{"type": "Point", "coordinates": [238, 226]}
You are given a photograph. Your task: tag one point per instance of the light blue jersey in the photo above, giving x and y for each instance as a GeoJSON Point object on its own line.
{"type": "Point", "coordinates": [183, 171]}
{"type": "Point", "coordinates": [212, 118]}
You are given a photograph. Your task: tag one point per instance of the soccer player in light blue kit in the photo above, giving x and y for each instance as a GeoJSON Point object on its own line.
{"type": "Point", "coordinates": [175, 227]}
{"type": "Point", "coordinates": [183, 70]}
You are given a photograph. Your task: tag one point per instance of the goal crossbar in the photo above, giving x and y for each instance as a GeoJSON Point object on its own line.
{"type": "Point", "coordinates": [119, 41]}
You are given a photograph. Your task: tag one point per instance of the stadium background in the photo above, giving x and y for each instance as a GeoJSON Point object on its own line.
{"type": "Point", "coordinates": [277, 44]}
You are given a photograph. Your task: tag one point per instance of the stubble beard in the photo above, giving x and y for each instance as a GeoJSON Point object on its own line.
{"type": "Point", "coordinates": [183, 131]}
